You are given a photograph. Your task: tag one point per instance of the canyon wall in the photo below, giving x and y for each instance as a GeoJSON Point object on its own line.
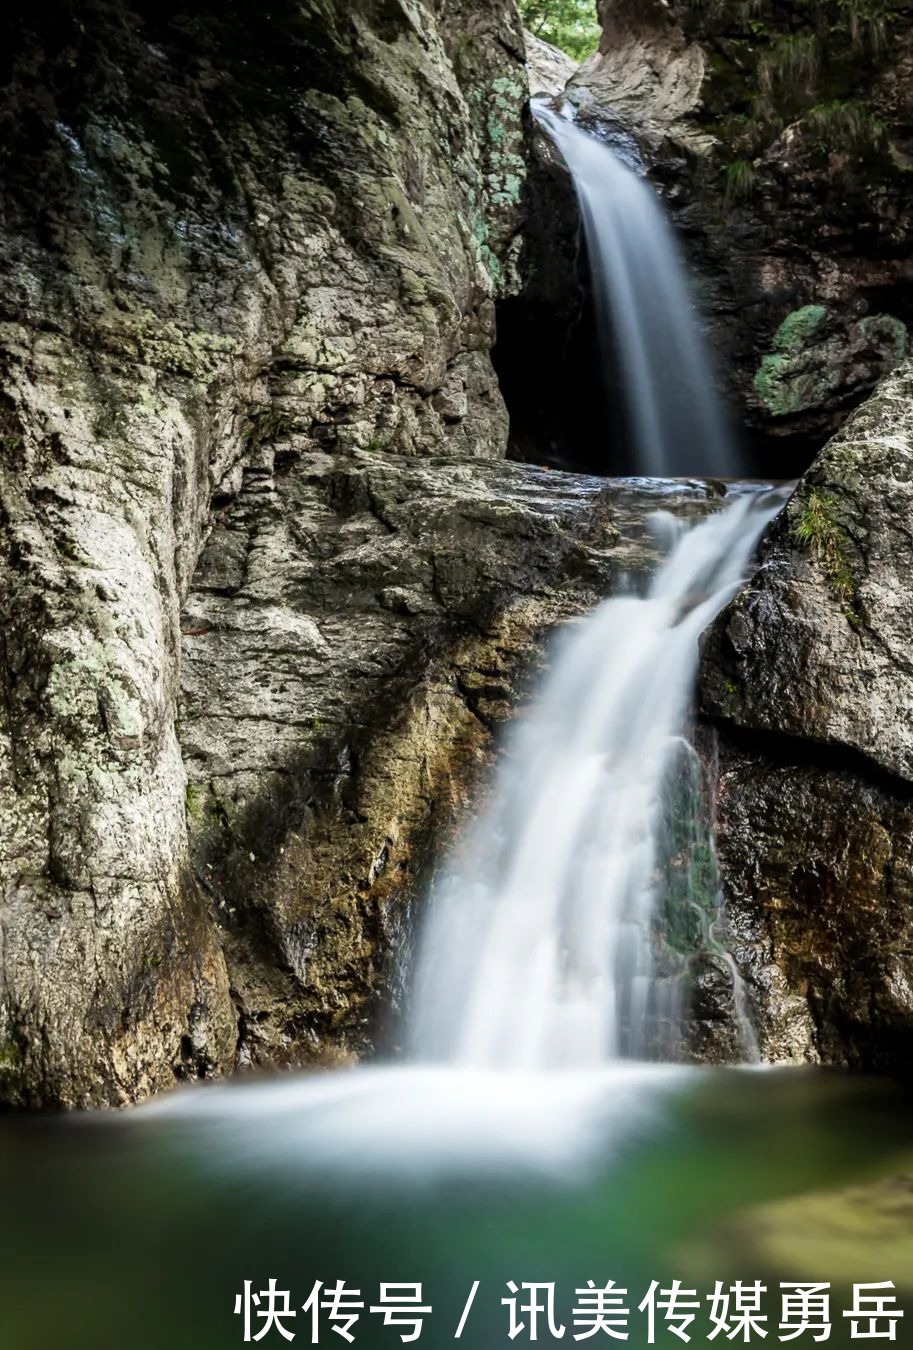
{"type": "Point", "coordinates": [807, 679]}
{"type": "Point", "coordinates": [234, 245]}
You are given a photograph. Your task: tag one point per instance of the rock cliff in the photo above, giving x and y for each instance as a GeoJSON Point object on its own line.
{"type": "Point", "coordinates": [232, 241]}
{"type": "Point", "coordinates": [268, 586]}
{"type": "Point", "coordinates": [780, 135]}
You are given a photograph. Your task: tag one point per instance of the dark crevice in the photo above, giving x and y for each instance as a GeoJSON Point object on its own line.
{"type": "Point", "coordinates": [785, 749]}
{"type": "Point", "coordinates": [548, 355]}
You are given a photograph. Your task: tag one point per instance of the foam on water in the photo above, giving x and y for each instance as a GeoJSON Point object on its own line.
{"type": "Point", "coordinates": [423, 1122]}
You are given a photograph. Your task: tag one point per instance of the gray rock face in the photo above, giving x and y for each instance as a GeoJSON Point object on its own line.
{"type": "Point", "coordinates": [818, 868]}
{"type": "Point", "coordinates": [549, 67]}
{"type": "Point", "coordinates": [646, 68]}
{"type": "Point", "coordinates": [240, 225]}
{"type": "Point", "coordinates": [818, 646]}
{"type": "Point", "coordinates": [807, 676]}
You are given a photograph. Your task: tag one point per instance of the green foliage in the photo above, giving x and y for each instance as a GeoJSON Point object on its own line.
{"type": "Point", "coordinates": [571, 25]}
{"type": "Point", "coordinates": [790, 65]}
{"type": "Point", "coordinates": [885, 327]}
{"type": "Point", "coordinates": [740, 180]}
{"type": "Point", "coordinates": [813, 62]}
{"type": "Point", "coordinates": [846, 125]}
{"type": "Point", "coordinates": [195, 798]}
{"type": "Point", "coordinates": [786, 381]}
{"type": "Point", "coordinates": [818, 531]}
{"type": "Point", "coordinates": [866, 22]}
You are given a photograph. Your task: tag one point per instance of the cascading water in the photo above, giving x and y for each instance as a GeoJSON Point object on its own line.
{"type": "Point", "coordinates": [645, 311]}
{"type": "Point", "coordinates": [540, 957]}
{"type": "Point", "coordinates": [535, 979]}
{"type": "Point", "coordinates": [537, 951]}
{"type": "Point", "coordinates": [475, 1187]}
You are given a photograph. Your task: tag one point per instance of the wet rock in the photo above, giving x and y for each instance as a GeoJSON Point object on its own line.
{"type": "Point", "coordinates": [818, 867]}
{"type": "Point", "coordinates": [715, 1027]}
{"type": "Point", "coordinates": [807, 677]}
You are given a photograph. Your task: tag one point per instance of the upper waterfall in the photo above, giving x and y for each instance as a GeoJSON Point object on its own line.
{"type": "Point", "coordinates": [645, 312]}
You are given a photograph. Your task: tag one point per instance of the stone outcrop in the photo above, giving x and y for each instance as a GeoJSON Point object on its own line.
{"type": "Point", "coordinates": [646, 70]}
{"type": "Point", "coordinates": [225, 232]}
{"type": "Point", "coordinates": [807, 678]}
{"type": "Point", "coordinates": [357, 629]}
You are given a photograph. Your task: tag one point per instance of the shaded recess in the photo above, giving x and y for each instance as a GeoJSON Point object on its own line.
{"type": "Point", "coordinates": [563, 389]}
{"type": "Point", "coordinates": [549, 358]}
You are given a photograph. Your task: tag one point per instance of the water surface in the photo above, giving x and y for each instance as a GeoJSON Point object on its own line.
{"type": "Point", "coordinates": [139, 1230]}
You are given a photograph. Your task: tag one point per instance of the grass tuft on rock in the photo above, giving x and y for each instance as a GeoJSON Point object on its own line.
{"type": "Point", "coordinates": [840, 125]}
{"type": "Point", "coordinates": [791, 65]}
{"type": "Point", "coordinates": [740, 180]}
{"type": "Point", "coordinates": [818, 532]}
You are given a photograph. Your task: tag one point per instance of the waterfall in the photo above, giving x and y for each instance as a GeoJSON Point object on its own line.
{"type": "Point", "coordinates": [538, 946]}
{"type": "Point", "coordinates": [537, 951]}
{"type": "Point", "coordinates": [645, 311]}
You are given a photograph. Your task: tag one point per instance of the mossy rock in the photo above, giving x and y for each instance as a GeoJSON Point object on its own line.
{"type": "Point", "coordinates": [816, 359]}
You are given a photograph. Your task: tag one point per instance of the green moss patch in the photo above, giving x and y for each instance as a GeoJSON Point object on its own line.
{"type": "Point", "coordinates": [817, 530]}
{"type": "Point", "coordinates": [799, 328]}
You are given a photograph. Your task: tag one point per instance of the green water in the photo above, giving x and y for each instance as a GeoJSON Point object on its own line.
{"type": "Point", "coordinates": [139, 1231]}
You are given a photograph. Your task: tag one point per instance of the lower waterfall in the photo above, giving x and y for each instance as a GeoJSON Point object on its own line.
{"type": "Point", "coordinates": [534, 987]}
{"type": "Point", "coordinates": [538, 950]}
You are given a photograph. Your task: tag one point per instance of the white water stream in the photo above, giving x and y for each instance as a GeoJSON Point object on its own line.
{"type": "Point", "coordinates": [535, 976]}
{"type": "Point", "coordinates": [539, 955]}
{"type": "Point", "coordinates": [645, 311]}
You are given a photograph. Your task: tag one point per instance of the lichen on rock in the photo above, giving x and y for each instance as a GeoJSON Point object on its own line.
{"type": "Point", "coordinates": [223, 229]}
{"type": "Point", "coordinates": [812, 363]}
